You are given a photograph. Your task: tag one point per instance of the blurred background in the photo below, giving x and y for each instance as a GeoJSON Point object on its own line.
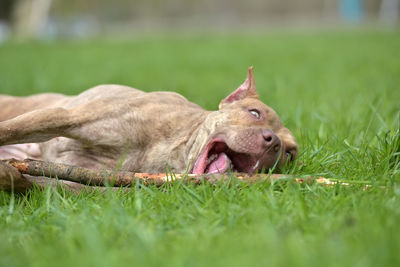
{"type": "Point", "coordinates": [305, 53]}
{"type": "Point", "coordinates": [75, 18]}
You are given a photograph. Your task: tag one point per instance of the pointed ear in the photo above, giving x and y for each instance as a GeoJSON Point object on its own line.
{"type": "Point", "coordinates": [247, 89]}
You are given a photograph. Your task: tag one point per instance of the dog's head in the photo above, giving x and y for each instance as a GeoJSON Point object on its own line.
{"type": "Point", "coordinates": [244, 135]}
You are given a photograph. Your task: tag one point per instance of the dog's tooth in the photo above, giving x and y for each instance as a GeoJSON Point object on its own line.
{"type": "Point", "coordinates": [256, 165]}
{"type": "Point", "coordinates": [229, 162]}
{"type": "Point", "coordinates": [211, 158]}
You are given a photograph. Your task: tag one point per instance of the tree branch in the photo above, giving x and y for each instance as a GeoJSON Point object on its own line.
{"type": "Point", "coordinates": [122, 178]}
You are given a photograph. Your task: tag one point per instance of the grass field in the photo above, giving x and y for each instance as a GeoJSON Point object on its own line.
{"type": "Point", "coordinates": [339, 93]}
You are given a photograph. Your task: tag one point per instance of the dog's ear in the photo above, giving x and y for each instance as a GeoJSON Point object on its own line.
{"type": "Point", "coordinates": [247, 89]}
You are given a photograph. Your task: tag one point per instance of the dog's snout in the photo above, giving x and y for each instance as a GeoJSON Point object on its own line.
{"type": "Point", "coordinates": [271, 140]}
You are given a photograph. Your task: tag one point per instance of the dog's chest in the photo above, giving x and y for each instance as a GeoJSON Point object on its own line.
{"type": "Point", "coordinates": [73, 152]}
{"type": "Point", "coordinates": [20, 151]}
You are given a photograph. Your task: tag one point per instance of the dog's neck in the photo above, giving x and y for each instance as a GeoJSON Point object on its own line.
{"type": "Point", "coordinates": [201, 135]}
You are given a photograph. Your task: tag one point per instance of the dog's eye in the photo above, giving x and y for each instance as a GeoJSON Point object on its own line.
{"type": "Point", "coordinates": [255, 113]}
{"type": "Point", "coordinates": [290, 155]}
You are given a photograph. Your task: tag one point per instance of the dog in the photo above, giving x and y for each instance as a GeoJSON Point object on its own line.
{"type": "Point", "coordinates": [110, 126]}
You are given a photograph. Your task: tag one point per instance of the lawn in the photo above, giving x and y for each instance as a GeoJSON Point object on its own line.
{"type": "Point", "coordinates": [339, 93]}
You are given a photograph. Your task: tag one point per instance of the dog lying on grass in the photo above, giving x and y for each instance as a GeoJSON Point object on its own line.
{"type": "Point", "coordinates": [114, 125]}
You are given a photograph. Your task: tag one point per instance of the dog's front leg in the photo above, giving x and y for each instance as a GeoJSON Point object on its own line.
{"type": "Point", "coordinates": [35, 126]}
{"type": "Point", "coordinates": [85, 123]}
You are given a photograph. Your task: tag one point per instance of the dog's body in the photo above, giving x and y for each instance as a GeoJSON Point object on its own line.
{"type": "Point", "coordinates": [113, 125]}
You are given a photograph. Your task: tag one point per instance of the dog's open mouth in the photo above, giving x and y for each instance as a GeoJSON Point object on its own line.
{"type": "Point", "coordinates": [217, 157]}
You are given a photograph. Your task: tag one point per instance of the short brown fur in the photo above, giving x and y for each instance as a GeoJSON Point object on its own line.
{"type": "Point", "coordinates": [111, 125]}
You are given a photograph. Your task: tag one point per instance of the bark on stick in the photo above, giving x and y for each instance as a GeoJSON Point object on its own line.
{"type": "Point", "coordinates": [123, 178]}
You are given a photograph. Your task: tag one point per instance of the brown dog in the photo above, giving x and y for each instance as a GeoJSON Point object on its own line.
{"type": "Point", "coordinates": [111, 125]}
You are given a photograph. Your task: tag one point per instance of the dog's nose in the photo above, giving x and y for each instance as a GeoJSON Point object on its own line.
{"type": "Point", "coordinates": [271, 140]}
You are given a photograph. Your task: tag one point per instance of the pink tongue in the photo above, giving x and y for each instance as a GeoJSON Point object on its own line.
{"type": "Point", "coordinates": [220, 164]}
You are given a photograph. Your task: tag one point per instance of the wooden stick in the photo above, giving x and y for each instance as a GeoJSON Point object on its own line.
{"type": "Point", "coordinates": [123, 178]}
{"type": "Point", "coordinates": [12, 180]}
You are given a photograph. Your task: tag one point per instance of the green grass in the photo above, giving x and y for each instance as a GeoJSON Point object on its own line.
{"type": "Point", "coordinates": [339, 93]}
